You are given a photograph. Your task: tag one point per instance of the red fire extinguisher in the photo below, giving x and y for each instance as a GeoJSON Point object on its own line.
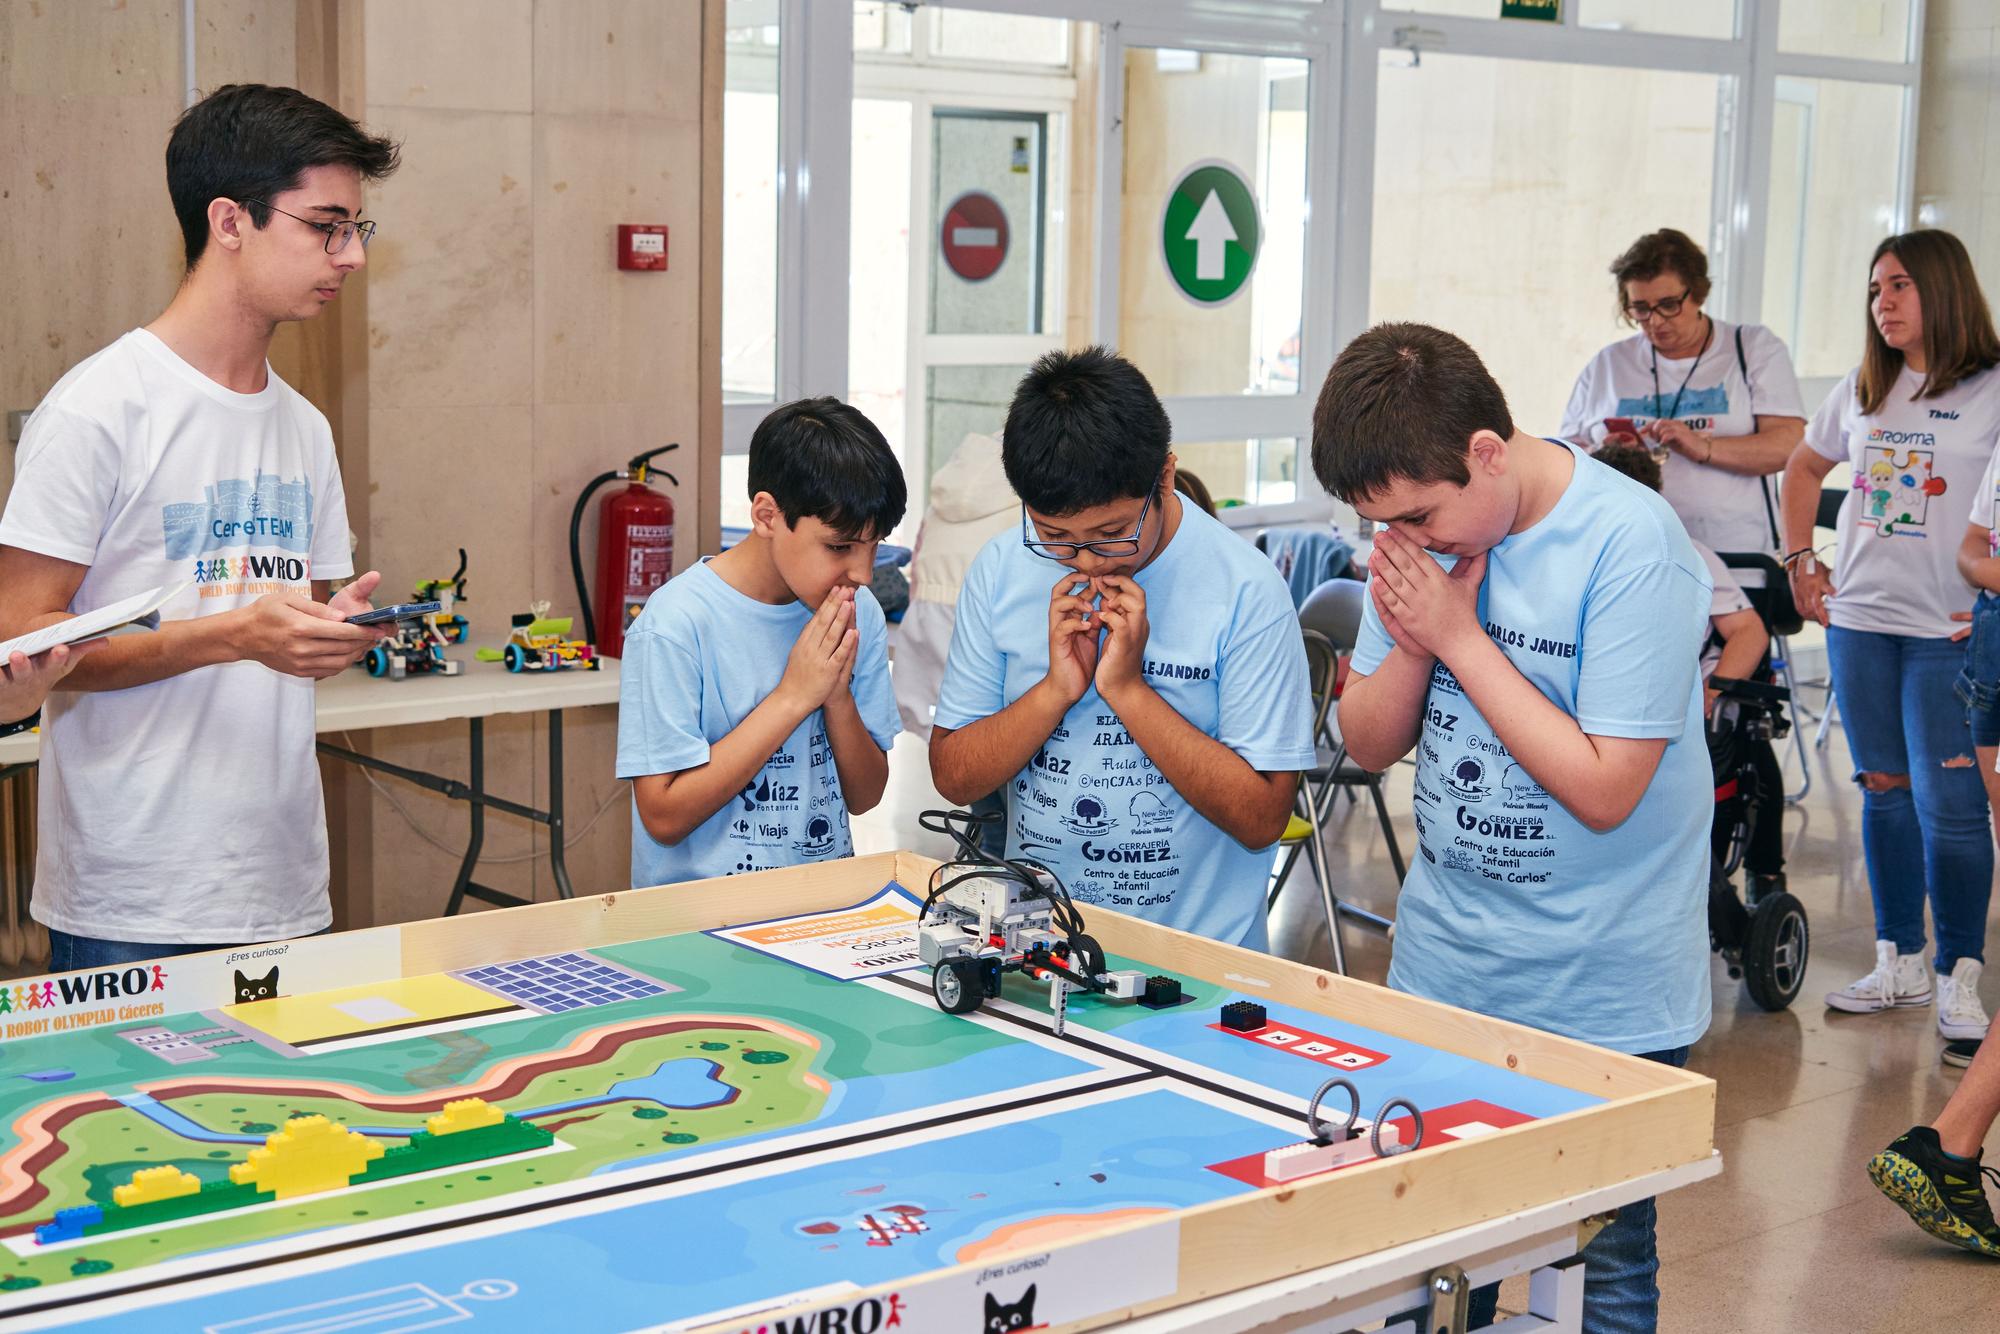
{"type": "Point", "coordinates": [635, 550]}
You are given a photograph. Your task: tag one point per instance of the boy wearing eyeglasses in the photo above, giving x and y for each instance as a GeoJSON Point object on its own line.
{"type": "Point", "coordinates": [1146, 710]}
{"type": "Point", "coordinates": [180, 802]}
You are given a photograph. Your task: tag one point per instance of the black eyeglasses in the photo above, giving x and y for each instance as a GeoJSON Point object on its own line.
{"type": "Point", "coordinates": [1109, 546]}
{"type": "Point", "coordinates": [338, 234]}
{"type": "Point", "coordinates": [1666, 307]}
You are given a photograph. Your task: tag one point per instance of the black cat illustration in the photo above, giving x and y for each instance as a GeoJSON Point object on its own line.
{"type": "Point", "coordinates": [256, 988]}
{"type": "Point", "coordinates": [1004, 1319]}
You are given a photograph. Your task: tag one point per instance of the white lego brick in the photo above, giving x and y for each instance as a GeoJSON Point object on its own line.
{"type": "Point", "coordinates": [1306, 1158]}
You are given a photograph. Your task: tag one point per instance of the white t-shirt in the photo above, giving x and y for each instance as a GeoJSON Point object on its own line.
{"type": "Point", "coordinates": [1727, 599]}
{"type": "Point", "coordinates": [189, 810]}
{"type": "Point", "coordinates": [1723, 509]}
{"type": "Point", "coordinates": [1917, 470]}
{"type": "Point", "coordinates": [1983, 503]}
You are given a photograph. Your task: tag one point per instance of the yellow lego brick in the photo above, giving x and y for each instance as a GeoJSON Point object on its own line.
{"type": "Point", "coordinates": [464, 1114]}
{"type": "Point", "coordinates": [310, 1154]}
{"type": "Point", "coordinates": [155, 1183]}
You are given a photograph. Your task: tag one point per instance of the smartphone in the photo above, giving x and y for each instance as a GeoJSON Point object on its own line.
{"type": "Point", "coordinates": [1621, 426]}
{"type": "Point", "coordinates": [405, 611]}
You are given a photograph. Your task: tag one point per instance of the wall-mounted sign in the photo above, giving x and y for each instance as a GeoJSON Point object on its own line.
{"type": "Point", "coordinates": [974, 236]}
{"type": "Point", "coordinates": [1210, 233]}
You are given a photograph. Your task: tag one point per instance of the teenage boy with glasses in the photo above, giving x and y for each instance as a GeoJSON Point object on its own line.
{"type": "Point", "coordinates": [181, 805]}
{"type": "Point", "coordinates": [1146, 716]}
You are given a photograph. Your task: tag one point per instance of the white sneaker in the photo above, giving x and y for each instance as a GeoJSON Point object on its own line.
{"type": "Point", "coordinates": [1960, 1014]}
{"type": "Point", "coordinates": [1898, 979]}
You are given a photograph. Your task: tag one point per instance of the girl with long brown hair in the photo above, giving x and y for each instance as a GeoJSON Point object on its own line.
{"type": "Point", "coordinates": [1917, 420]}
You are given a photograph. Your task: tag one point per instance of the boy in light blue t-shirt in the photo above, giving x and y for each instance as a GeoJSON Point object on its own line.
{"type": "Point", "coordinates": [754, 707]}
{"type": "Point", "coordinates": [1544, 668]}
{"type": "Point", "coordinates": [1129, 673]}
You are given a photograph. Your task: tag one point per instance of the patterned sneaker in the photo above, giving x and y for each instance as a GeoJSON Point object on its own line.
{"type": "Point", "coordinates": [1959, 1013]}
{"type": "Point", "coordinates": [1944, 1195]}
{"type": "Point", "coordinates": [1898, 979]}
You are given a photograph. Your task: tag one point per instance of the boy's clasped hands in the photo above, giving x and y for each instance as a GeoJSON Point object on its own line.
{"type": "Point", "coordinates": [1426, 609]}
{"type": "Point", "coordinates": [1081, 605]}
{"type": "Point", "coordinates": [821, 664]}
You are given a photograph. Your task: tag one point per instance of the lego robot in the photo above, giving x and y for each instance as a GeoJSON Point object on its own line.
{"type": "Point", "coordinates": [986, 917]}
{"type": "Point", "coordinates": [417, 648]}
{"type": "Point", "coordinates": [539, 642]}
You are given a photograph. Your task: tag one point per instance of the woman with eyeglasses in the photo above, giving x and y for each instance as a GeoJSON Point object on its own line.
{"type": "Point", "coordinates": [1916, 420]}
{"type": "Point", "coordinates": [1717, 403]}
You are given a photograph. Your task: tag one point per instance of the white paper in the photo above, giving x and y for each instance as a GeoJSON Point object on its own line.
{"type": "Point", "coordinates": [93, 624]}
{"type": "Point", "coordinates": [866, 940]}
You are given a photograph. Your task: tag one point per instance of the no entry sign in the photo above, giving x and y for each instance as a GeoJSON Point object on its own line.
{"type": "Point", "coordinates": [974, 236]}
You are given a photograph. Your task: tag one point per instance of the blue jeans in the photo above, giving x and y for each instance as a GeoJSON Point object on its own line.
{"type": "Point", "coordinates": [69, 954]}
{"type": "Point", "coordinates": [1930, 839]}
{"type": "Point", "coordinates": [1978, 684]}
{"type": "Point", "coordinates": [1621, 1293]}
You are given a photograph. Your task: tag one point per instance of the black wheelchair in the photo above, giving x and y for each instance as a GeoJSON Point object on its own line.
{"type": "Point", "coordinates": [1762, 935]}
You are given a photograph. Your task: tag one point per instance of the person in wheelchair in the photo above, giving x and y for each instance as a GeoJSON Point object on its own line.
{"type": "Point", "coordinates": [1761, 936]}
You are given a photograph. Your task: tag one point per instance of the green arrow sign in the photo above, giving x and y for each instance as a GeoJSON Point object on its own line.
{"type": "Point", "coordinates": [1210, 233]}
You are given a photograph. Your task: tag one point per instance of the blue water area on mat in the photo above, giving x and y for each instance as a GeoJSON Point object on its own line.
{"type": "Point", "coordinates": [687, 1083]}
{"type": "Point", "coordinates": [639, 1264]}
{"type": "Point", "coordinates": [1425, 1076]}
{"type": "Point", "coordinates": [49, 1076]}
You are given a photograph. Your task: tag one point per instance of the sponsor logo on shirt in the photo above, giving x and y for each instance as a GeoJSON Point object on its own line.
{"type": "Point", "coordinates": [1087, 816]}
{"type": "Point", "coordinates": [1467, 779]}
{"type": "Point", "coordinates": [818, 841]}
{"type": "Point", "coordinates": [1149, 814]}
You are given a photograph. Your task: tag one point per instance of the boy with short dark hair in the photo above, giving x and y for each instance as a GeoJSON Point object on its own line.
{"type": "Point", "coordinates": [1149, 713]}
{"type": "Point", "coordinates": [754, 707]}
{"type": "Point", "coordinates": [1547, 680]}
{"type": "Point", "coordinates": [181, 806]}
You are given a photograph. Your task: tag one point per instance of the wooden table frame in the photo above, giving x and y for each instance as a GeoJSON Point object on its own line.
{"type": "Point", "coordinates": [1324, 1253]}
{"type": "Point", "coordinates": [1656, 1127]}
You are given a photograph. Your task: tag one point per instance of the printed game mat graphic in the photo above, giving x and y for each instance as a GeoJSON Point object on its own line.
{"type": "Point", "coordinates": [660, 1132]}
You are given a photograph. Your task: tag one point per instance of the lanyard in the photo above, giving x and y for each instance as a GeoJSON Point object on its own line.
{"type": "Point", "coordinates": [1674, 410]}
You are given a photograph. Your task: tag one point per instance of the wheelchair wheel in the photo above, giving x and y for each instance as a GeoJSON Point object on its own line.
{"type": "Point", "coordinates": [1775, 951]}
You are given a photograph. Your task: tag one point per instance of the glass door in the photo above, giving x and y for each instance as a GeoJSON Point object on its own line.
{"type": "Point", "coordinates": [1215, 271]}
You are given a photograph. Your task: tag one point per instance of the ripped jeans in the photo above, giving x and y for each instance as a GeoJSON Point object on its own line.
{"type": "Point", "coordinates": [1925, 836]}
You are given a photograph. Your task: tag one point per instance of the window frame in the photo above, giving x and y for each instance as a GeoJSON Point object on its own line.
{"type": "Point", "coordinates": [1343, 39]}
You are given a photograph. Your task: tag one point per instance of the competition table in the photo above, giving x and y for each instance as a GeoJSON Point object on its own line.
{"type": "Point", "coordinates": [355, 702]}
{"type": "Point", "coordinates": [734, 1105]}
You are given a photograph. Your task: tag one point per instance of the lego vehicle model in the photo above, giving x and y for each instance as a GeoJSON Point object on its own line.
{"type": "Point", "coordinates": [985, 917]}
{"type": "Point", "coordinates": [541, 643]}
{"type": "Point", "coordinates": [417, 648]}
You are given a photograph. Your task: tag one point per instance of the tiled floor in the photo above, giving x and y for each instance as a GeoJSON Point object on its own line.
{"type": "Point", "coordinates": [1791, 1236]}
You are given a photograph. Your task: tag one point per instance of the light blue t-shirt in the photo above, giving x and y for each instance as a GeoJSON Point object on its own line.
{"type": "Point", "coordinates": [1515, 908]}
{"type": "Point", "coordinates": [698, 659]}
{"type": "Point", "coordinates": [1223, 647]}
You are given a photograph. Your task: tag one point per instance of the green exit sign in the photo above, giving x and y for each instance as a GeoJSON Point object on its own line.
{"type": "Point", "coordinates": [1545, 11]}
